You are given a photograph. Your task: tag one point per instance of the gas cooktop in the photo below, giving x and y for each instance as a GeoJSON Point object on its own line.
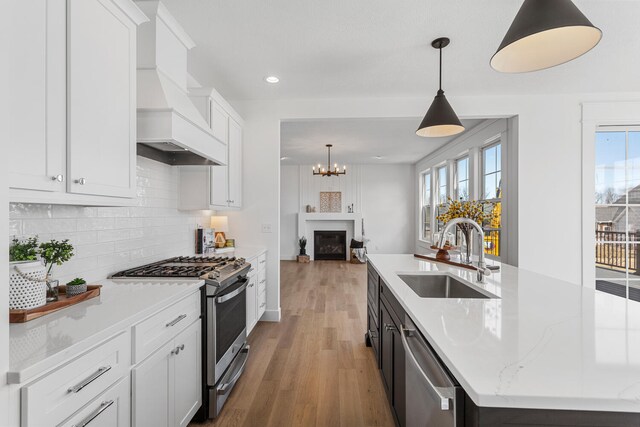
{"type": "Point", "coordinates": [213, 268]}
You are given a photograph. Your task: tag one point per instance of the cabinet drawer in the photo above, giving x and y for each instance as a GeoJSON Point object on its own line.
{"type": "Point", "coordinates": [56, 396]}
{"type": "Point", "coordinates": [262, 261]}
{"type": "Point", "coordinates": [153, 332]}
{"type": "Point", "coordinates": [110, 409]}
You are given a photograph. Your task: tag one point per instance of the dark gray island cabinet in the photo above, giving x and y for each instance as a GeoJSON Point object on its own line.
{"type": "Point", "coordinates": [387, 320]}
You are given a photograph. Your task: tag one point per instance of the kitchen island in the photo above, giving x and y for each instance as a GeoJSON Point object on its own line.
{"type": "Point", "coordinates": [537, 344]}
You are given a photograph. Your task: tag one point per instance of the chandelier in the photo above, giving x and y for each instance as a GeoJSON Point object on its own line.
{"type": "Point", "coordinates": [328, 171]}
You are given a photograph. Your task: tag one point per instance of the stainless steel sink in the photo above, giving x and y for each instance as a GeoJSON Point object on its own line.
{"type": "Point", "coordinates": [441, 286]}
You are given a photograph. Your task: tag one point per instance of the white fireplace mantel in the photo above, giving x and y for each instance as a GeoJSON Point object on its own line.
{"type": "Point", "coordinates": [310, 221]}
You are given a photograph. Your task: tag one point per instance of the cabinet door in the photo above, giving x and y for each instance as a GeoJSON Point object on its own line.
{"type": "Point", "coordinates": [111, 409]}
{"type": "Point", "coordinates": [218, 121]}
{"type": "Point", "coordinates": [235, 164]}
{"type": "Point", "coordinates": [386, 350]}
{"type": "Point", "coordinates": [37, 95]}
{"type": "Point", "coordinates": [153, 390]}
{"type": "Point", "coordinates": [188, 374]}
{"type": "Point", "coordinates": [252, 303]}
{"type": "Point", "coordinates": [102, 95]}
{"type": "Point", "coordinates": [219, 186]}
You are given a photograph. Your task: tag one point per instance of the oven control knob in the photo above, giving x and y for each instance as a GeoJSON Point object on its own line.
{"type": "Point", "coordinates": [214, 275]}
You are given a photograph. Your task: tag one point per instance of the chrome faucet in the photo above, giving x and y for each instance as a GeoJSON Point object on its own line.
{"type": "Point", "coordinates": [482, 266]}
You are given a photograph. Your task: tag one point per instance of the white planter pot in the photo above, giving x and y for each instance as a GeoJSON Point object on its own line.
{"type": "Point", "coordinates": [27, 285]}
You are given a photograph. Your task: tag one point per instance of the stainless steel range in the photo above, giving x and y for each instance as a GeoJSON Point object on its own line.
{"type": "Point", "coordinates": [225, 350]}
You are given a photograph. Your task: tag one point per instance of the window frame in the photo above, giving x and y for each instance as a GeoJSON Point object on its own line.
{"type": "Point", "coordinates": [421, 183]}
{"type": "Point", "coordinates": [456, 181]}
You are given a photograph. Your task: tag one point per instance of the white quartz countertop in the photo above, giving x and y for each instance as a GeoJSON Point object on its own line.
{"type": "Point", "coordinates": [246, 252]}
{"type": "Point", "coordinates": [543, 343]}
{"type": "Point", "coordinates": [44, 343]}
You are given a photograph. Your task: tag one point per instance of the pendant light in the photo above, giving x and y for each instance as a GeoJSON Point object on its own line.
{"type": "Point", "coordinates": [440, 119]}
{"type": "Point", "coordinates": [543, 34]}
{"type": "Point", "coordinates": [328, 171]}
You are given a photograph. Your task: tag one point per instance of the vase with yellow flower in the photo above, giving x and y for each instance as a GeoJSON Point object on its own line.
{"type": "Point", "coordinates": [472, 209]}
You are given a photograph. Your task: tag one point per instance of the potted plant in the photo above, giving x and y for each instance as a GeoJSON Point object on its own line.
{"type": "Point", "coordinates": [27, 275]}
{"type": "Point", "coordinates": [54, 253]}
{"type": "Point", "coordinates": [303, 245]}
{"type": "Point", "coordinates": [76, 287]}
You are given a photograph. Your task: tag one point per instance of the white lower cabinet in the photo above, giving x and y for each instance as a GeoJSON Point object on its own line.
{"type": "Point", "coordinates": [110, 409]}
{"type": "Point", "coordinates": [256, 290]}
{"type": "Point", "coordinates": [166, 388]}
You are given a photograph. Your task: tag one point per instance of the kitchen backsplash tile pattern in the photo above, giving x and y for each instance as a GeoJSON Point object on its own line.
{"type": "Point", "coordinates": [109, 239]}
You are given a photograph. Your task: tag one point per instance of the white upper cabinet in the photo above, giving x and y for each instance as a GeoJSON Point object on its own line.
{"type": "Point", "coordinates": [37, 95]}
{"type": "Point", "coordinates": [219, 121]}
{"type": "Point", "coordinates": [102, 99]}
{"type": "Point", "coordinates": [235, 164]}
{"type": "Point", "coordinates": [74, 91]}
{"type": "Point", "coordinates": [215, 187]}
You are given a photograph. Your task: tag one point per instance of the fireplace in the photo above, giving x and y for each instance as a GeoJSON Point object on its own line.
{"type": "Point", "coordinates": [331, 245]}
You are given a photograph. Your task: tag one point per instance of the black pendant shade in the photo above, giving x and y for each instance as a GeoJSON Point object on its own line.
{"type": "Point", "coordinates": [440, 119]}
{"type": "Point", "coordinates": [543, 34]}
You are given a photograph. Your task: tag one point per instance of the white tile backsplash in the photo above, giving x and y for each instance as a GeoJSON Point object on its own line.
{"type": "Point", "coordinates": [110, 239]}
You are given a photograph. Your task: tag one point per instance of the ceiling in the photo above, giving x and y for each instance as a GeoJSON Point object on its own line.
{"type": "Point", "coordinates": [357, 141]}
{"type": "Point", "coordinates": [381, 48]}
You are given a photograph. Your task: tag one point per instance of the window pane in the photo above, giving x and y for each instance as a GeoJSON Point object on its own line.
{"type": "Point", "coordinates": [442, 185]}
{"type": "Point", "coordinates": [492, 229]}
{"type": "Point", "coordinates": [611, 260]}
{"type": "Point", "coordinates": [463, 190]}
{"type": "Point", "coordinates": [489, 160]}
{"type": "Point", "coordinates": [462, 177]}
{"type": "Point", "coordinates": [463, 169]}
{"type": "Point", "coordinates": [490, 186]}
{"type": "Point", "coordinates": [611, 223]}
{"type": "Point", "coordinates": [610, 167]}
{"type": "Point", "coordinates": [426, 195]}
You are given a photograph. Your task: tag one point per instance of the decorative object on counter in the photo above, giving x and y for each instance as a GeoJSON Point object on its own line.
{"type": "Point", "coordinates": [471, 209]}
{"type": "Point", "coordinates": [457, 264]}
{"type": "Point", "coordinates": [302, 242]}
{"type": "Point", "coordinates": [231, 243]}
{"type": "Point", "coordinates": [220, 224]}
{"type": "Point", "coordinates": [27, 275]}
{"type": "Point", "coordinates": [358, 252]}
{"type": "Point", "coordinates": [76, 287]}
{"type": "Point", "coordinates": [440, 119]}
{"type": "Point", "coordinates": [331, 201]}
{"type": "Point", "coordinates": [311, 209]}
{"type": "Point", "coordinates": [328, 171]}
{"type": "Point", "coordinates": [545, 33]}
{"type": "Point", "coordinates": [64, 300]}
{"type": "Point", "coordinates": [205, 241]}
{"type": "Point", "coordinates": [53, 253]}
{"type": "Point", "coordinates": [443, 253]}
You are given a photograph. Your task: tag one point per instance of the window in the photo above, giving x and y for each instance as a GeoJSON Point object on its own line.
{"type": "Point", "coordinates": [617, 219]}
{"type": "Point", "coordinates": [442, 185]}
{"type": "Point", "coordinates": [462, 178]}
{"type": "Point", "coordinates": [426, 206]}
{"type": "Point", "coordinates": [491, 193]}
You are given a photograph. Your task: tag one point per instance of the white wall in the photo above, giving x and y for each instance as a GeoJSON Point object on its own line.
{"type": "Point", "coordinates": [109, 239]}
{"type": "Point", "coordinates": [384, 194]}
{"type": "Point", "coordinates": [549, 166]}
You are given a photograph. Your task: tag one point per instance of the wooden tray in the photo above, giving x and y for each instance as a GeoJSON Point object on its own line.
{"type": "Point", "coordinates": [21, 316]}
{"type": "Point", "coordinates": [457, 264]}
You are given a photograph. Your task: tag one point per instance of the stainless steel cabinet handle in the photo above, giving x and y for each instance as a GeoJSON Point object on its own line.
{"type": "Point", "coordinates": [91, 378]}
{"type": "Point", "coordinates": [263, 304]}
{"type": "Point", "coordinates": [444, 400]}
{"type": "Point", "coordinates": [59, 178]}
{"type": "Point", "coordinates": [81, 181]}
{"type": "Point", "coordinates": [372, 333]}
{"type": "Point", "coordinates": [177, 349]}
{"type": "Point", "coordinates": [176, 320]}
{"type": "Point", "coordinates": [263, 280]}
{"type": "Point", "coordinates": [251, 285]}
{"type": "Point", "coordinates": [388, 327]}
{"type": "Point", "coordinates": [263, 261]}
{"type": "Point", "coordinates": [95, 414]}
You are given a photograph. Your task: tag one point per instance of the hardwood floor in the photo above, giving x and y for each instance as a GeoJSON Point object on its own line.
{"type": "Point", "coordinates": [312, 368]}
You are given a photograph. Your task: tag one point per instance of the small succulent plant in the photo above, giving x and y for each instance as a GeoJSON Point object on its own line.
{"type": "Point", "coordinates": [77, 282]}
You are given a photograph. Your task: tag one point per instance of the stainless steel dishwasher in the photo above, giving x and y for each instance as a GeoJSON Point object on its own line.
{"type": "Point", "coordinates": [433, 398]}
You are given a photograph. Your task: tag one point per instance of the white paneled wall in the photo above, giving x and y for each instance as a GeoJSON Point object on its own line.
{"type": "Point", "coordinates": [109, 239]}
{"type": "Point", "coordinates": [383, 194]}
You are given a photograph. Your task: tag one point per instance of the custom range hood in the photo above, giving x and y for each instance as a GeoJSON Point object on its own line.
{"type": "Point", "coordinates": [170, 127]}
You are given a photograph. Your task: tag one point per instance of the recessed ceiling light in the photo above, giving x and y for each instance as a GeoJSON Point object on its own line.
{"type": "Point", "coordinates": [378, 157]}
{"type": "Point", "coordinates": [271, 79]}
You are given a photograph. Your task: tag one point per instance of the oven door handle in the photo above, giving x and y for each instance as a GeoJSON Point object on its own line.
{"type": "Point", "coordinates": [232, 295]}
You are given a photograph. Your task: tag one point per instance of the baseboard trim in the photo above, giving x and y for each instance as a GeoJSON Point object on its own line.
{"type": "Point", "coordinates": [271, 316]}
